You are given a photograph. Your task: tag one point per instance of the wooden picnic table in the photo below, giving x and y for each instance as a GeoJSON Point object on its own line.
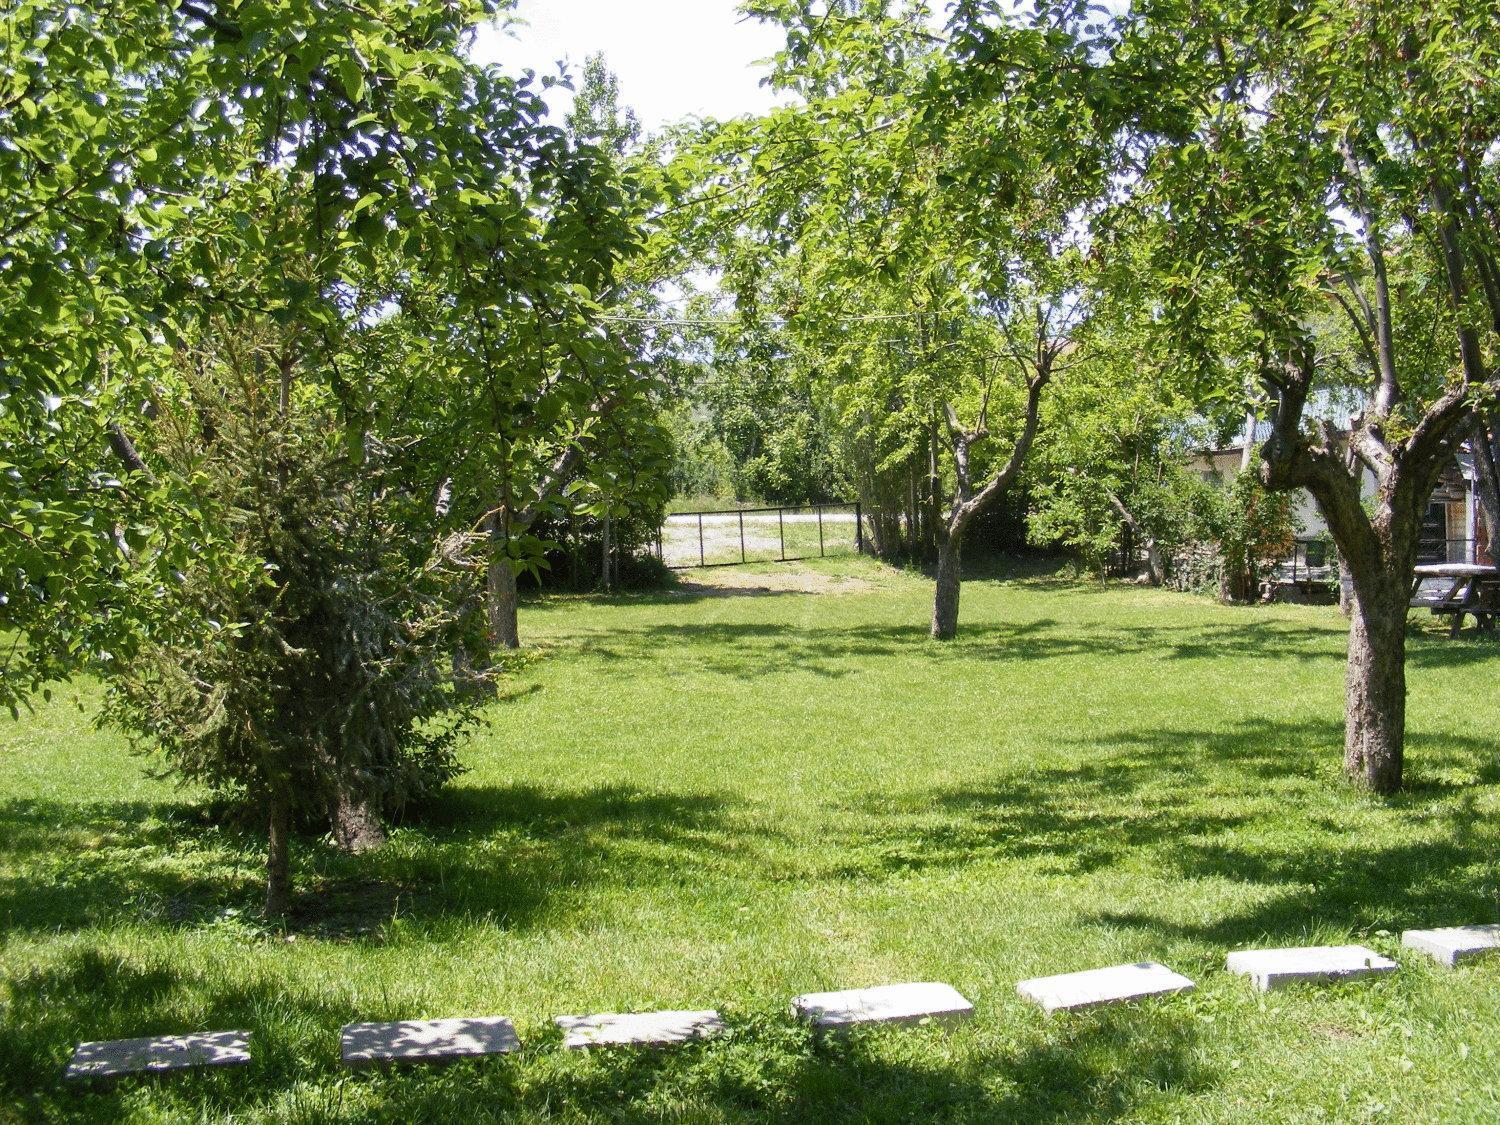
{"type": "Point", "coordinates": [1472, 588]}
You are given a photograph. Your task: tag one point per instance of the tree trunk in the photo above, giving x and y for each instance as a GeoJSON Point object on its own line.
{"type": "Point", "coordinates": [605, 577]}
{"type": "Point", "coordinates": [356, 823]}
{"type": "Point", "coordinates": [1156, 568]}
{"type": "Point", "coordinates": [945, 598]}
{"type": "Point", "coordinates": [1485, 445]}
{"type": "Point", "coordinates": [505, 629]}
{"type": "Point", "coordinates": [913, 532]}
{"type": "Point", "coordinates": [1346, 585]}
{"type": "Point", "coordinates": [1375, 686]}
{"type": "Point", "coordinates": [278, 868]}
{"type": "Point", "coordinates": [500, 586]}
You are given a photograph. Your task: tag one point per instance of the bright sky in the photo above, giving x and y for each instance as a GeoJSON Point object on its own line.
{"type": "Point", "coordinates": [674, 58]}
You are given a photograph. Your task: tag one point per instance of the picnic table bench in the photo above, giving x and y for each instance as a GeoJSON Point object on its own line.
{"type": "Point", "coordinates": [1463, 588]}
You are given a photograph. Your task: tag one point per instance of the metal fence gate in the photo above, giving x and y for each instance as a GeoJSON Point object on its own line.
{"type": "Point", "coordinates": [746, 535]}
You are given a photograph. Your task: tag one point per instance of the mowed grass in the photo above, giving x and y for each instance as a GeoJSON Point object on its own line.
{"type": "Point", "coordinates": [722, 799]}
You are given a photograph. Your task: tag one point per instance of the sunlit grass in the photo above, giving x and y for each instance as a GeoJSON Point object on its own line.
{"type": "Point", "coordinates": [699, 800]}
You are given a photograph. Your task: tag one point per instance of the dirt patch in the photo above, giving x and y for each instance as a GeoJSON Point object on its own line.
{"type": "Point", "coordinates": [732, 582]}
{"type": "Point", "coordinates": [1336, 1031]}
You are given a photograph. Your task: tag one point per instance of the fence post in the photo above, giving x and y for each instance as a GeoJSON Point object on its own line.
{"type": "Point", "coordinates": [820, 531]}
{"type": "Point", "coordinates": [859, 529]}
{"type": "Point", "coordinates": [781, 531]}
{"type": "Point", "coordinates": [700, 538]}
{"type": "Point", "coordinates": [742, 535]}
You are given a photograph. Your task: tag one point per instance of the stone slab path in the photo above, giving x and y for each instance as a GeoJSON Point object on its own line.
{"type": "Point", "coordinates": [890, 1003]}
{"type": "Point", "coordinates": [645, 1029]}
{"type": "Point", "coordinates": [1454, 945]}
{"type": "Point", "coordinates": [1118, 984]}
{"type": "Point", "coordinates": [428, 1040]}
{"type": "Point", "coordinates": [1318, 964]}
{"type": "Point", "coordinates": [115, 1057]}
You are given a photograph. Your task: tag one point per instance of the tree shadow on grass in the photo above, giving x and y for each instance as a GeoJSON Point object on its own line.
{"type": "Point", "coordinates": [513, 855]}
{"type": "Point", "coordinates": [1098, 1069]}
{"type": "Point", "coordinates": [749, 650]}
{"type": "Point", "coordinates": [504, 855]}
{"type": "Point", "coordinates": [1094, 1069]}
{"type": "Point", "coordinates": [1080, 818]}
{"type": "Point", "coordinates": [66, 865]}
{"type": "Point", "coordinates": [85, 994]}
{"type": "Point", "coordinates": [1261, 805]}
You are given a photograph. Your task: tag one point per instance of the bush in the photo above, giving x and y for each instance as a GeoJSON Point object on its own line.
{"type": "Point", "coordinates": [342, 671]}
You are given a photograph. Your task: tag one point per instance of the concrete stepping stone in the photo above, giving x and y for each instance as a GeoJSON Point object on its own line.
{"type": "Point", "coordinates": [116, 1057]}
{"type": "Point", "coordinates": [1318, 964]}
{"type": "Point", "coordinates": [645, 1029]}
{"type": "Point", "coordinates": [1118, 984]}
{"type": "Point", "coordinates": [889, 1003]}
{"type": "Point", "coordinates": [1454, 944]}
{"type": "Point", "coordinates": [428, 1040]}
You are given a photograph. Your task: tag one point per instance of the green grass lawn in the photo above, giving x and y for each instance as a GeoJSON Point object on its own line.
{"type": "Point", "coordinates": [698, 800]}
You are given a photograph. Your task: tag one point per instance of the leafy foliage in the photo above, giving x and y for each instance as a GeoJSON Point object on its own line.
{"type": "Point", "coordinates": [332, 678]}
{"type": "Point", "coordinates": [330, 295]}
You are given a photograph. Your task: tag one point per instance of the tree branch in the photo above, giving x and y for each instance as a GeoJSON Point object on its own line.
{"type": "Point", "coordinates": [1387, 391]}
{"type": "Point", "coordinates": [125, 450]}
{"type": "Point", "coordinates": [1007, 475]}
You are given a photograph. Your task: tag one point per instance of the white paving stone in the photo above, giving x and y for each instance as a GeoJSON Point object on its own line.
{"type": "Point", "coordinates": [114, 1057]}
{"type": "Point", "coordinates": [428, 1040]}
{"type": "Point", "coordinates": [647, 1029]}
{"type": "Point", "coordinates": [889, 1003]}
{"type": "Point", "coordinates": [1455, 944]}
{"type": "Point", "coordinates": [1093, 987]}
{"type": "Point", "coordinates": [1319, 964]}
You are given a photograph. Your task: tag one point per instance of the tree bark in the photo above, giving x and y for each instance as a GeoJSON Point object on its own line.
{"type": "Point", "coordinates": [1236, 584]}
{"type": "Point", "coordinates": [949, 579]}
{"type": "Point", "coordinates": [505, 629]}
{"type": "Point", "coordinates": [605, 577]}
{"type": "Point", "coordinates": [1346, 584]}
{"type": "Point", "coordinates": [1375, 686]}
{"type": "Point", "coordinates": [356, 824]}
{"type": "Point", "coordinates": [1485, 446]}
{"type": "Point", "coordinates": [278, 867]}
{"type": "Point", "coordinates": [500, 587]}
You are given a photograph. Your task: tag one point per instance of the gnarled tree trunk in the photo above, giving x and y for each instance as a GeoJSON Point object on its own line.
{"type": "Point", "coordinates": [1375, 685]}
{"type": "Point", "coordinates": [1485, 445]}
{"type": "Point", "coordinates": [607, 558]}
{"type": "Point", "coordinates": [949, 579]}
{"type": "Point", "coordinates": [948, 533]}
{"type": "Point", "coordinates": [1378, 552]}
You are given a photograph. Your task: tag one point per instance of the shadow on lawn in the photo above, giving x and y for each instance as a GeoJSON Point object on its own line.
{"type": "Point", "coordinates": [67, 865]}
{"type": "Point", "coordinates": [87, 994]}
{"type": "Point", "coordinates": [1261, 805]}
{"type": "Point", "coordinates": [773, 1071]}
{"type": "Point", "coordinates": [754, 649]}
{"type": "Point", "coordinates": [758, 648]}
{"type": "Point", "coordinates": [511, 855]}
{"type": "Point", "coordinates": [503, 855]}
{"type": "Point", "coordinates": [768, 1070]}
